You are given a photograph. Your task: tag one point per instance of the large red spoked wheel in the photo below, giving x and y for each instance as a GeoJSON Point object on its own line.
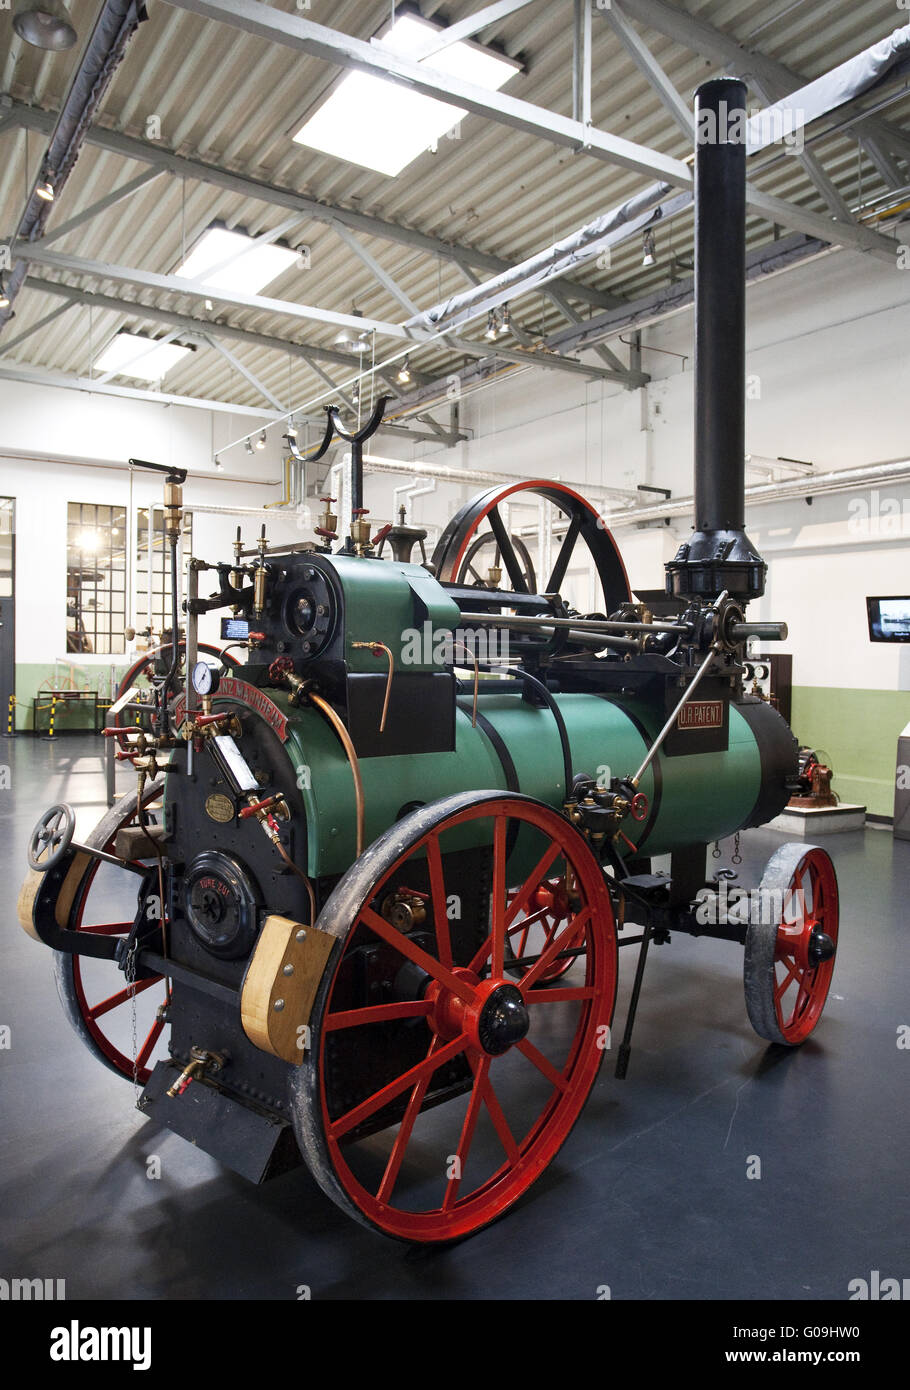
{"type": "Point", "coordinates": [437, 1087]}
{"type": "Point", "coordinates": [96, 996]}
{"type": "Point", "coordinates": [791, 943]}
{"type": "Point", "coordinates": [481, 516]}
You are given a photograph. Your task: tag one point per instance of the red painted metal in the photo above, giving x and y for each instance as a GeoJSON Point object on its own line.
{"type": "Point", "coordinates": [810, 903]}
{"type": "Point", "coordinates": [453, 1004]}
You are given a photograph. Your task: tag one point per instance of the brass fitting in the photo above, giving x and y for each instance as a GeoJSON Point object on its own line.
{"type": "Point", "coordinates": [200, 1062]}
{"type": "Point", "coordinates": [360, 530]}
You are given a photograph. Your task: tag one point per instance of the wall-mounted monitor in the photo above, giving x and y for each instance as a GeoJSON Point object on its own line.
{"type": "Point", "coordinates": [889, 619]}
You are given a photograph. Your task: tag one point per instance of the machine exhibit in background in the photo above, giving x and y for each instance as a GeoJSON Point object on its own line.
{"type": "Point", "coordinates": [374, 924]}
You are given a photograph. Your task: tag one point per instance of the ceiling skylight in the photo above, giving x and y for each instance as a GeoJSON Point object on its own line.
{"type": "Point", "coordinates": [383, 125]}
{"type": "Point", "coordinates": [142, 359]}
{"type": "Point", "coordinates": [231, 260]}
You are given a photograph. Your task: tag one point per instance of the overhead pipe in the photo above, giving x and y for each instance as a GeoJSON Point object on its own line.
{"type": "Point", "coordinates": [835, 480]}
{"type": "Point", "coordinates": [448, 473]}
{"type": "Point", "coordinates": [115, 25]}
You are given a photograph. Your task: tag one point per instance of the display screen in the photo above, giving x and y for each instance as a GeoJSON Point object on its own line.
{"type": "Point", "coordinates": [889, 619]}
{"type": "Point", "coordinates": [234, 629]}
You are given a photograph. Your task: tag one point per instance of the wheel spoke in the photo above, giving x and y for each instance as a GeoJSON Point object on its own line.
{"type": "Point", "coordinates": [519, 901]}
{"type": "Point", "coordinates": [558, 996]}
{"type": "Point", "coordinates": [510, 559]}
{"type": "Point", "coordinates": [402, 1139]}
{"type": "Point", "coordinates": [145, 1051]}
{"type": "Point", "coordinates": [377, 1013]}
{"type": "Point", "coordinates": [438, 899]}
{"type": "Point", "coordinates": [500, 1122]}
{"type": "Point", "coordinates": [557, 944]}
{"type": "Point", "coordinates": [108, 928]}
{"type": "Point", "coordinates": [375, 1102]}
{"type": "Point", "coordinates": [122, 996]}
{"type": "Point", "coordinates": [554, 583]}
{"type": "Point", "coordinates": [793, 973]}
{"type": "Point", "coordinates": [497, 926]}
{"type": "Point", "coordinates": [467, 1131]}
{"type": "Point", "coordinates": [554, 1077]}
{"type": "Point", "coordinates": [411, 951]}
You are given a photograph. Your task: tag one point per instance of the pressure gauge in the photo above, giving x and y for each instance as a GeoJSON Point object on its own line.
{"type": "Point", "coordinates": [205, 678]}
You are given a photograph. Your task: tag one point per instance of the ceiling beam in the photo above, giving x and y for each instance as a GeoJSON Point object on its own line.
{"type": "Point", "coordinates": [690, 31]}
{"type": "Point", "coordinates": [303, 36]}
{"type": "Point", "coordinates": [199, 289]}
{"type": "Point", "coordinates": [342, 50]}
{"type": "Point", "coordinates": [152, 313]}
{"type": "Point", "coordinates": [128, 147]}
{"type": "Point", "coordinates": [670, 299]}
{"type": "Point", "coordinates": [35, 376]}
{"type": "Point", "coordinates": [175, 284]}
{"type": "Point", "coordinates": [110, 200]}
{"type": "Point", "coordinates": [646, 63]}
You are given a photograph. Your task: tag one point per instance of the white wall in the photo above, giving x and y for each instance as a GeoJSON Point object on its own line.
{"type": "Point", "coordinates": [831, 383]}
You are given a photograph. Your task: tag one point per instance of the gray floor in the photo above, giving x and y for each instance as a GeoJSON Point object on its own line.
{"type": "Point", "coordinates": [650, 1195]}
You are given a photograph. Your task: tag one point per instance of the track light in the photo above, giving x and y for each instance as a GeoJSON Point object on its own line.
{"type": "Point", "coordinates": [349, 341]}
{"type": "Point", "coordinates": [219, 466]}
{"type": "Point", "coordinates": [491, 329]}
{"type": "Point", "coordinates": [505, 321]}
{"type": "Point", "coordinates": [44, 24]}
{"type": "Point", "coordinates": [249, 446]}
{"type": "Point", "coordinates": [404, 371]}
{"type": "Point", "coordinates": [648, 248]}
{"type": "Point", "coordinates": [4, 297]}
{"type": "Point", "coordinates": [45, 188]}
{"type": "Point", "coordinates": [260, 442]}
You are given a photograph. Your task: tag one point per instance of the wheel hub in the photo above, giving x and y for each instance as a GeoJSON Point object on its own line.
{"type": "Point", "coordinates": [504, 1020]}
{"type": "Point", "coordinates": [495, 1017]}
{"type": "Point", "coordinates": [821, 947]}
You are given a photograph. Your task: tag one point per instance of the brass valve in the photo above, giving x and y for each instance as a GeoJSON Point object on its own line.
{"type": "Point", "coordinates": [360, 530]}
{"type": "Point", "coordinates": [200, 1062]}
{"type": "Point", "coordinates": [328, 521]}
{"type": "Point", "coordinates": [265, 813]}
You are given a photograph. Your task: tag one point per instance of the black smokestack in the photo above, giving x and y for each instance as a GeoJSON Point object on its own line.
{"type": "Point", "coordinates": [719, 555]}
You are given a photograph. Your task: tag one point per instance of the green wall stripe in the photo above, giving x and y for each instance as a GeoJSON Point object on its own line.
{"type": "Point", "coordinates": [858, 730]}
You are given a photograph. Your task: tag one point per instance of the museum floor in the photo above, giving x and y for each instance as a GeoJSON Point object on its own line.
{"type": "Point", "coordinates": [650, 1195]}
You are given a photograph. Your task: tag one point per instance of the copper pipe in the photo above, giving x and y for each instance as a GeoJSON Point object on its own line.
{"type": "Point", "coordinates": [348, 746]}
{"type": "Point", "coordinates": [377, 647]}
{"type": "Point", "coordinates": [300, 874]}
{"type": "Point", "coordinates": [473, 656]}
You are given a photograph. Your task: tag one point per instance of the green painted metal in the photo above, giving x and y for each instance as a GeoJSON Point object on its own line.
{"type": "Point", "coordinates": [703, 797]}
{"type": "Point", "coordinates": [379, 606]}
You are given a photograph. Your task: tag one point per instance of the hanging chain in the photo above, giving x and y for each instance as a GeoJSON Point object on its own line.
{"type": "Point", "coordinates": [736, 857]}
{"type": "Point", "coordinates": [715, 853]}
{"type": "Point", "coordinates": [129, 971]}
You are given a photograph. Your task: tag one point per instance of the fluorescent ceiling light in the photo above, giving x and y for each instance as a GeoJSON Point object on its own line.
{"type": "Point", "coordinates": [383, 125]}
{"type": "Point", "coordinates": [142, 359]}
{"type": "Point", "coordinates": [231, 260]}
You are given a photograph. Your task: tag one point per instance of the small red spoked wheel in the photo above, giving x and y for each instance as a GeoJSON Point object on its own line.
{"type": "Point", "coordinates": [96, 997]}
{"type": "Point", "coordinates": [437, 1088]}
{"type": "Point", "coordinates": [535, 927]}
{"type": "Point", "coordinates": [791, 943]}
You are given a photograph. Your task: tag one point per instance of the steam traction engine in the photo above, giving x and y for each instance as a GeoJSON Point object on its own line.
{"type": "Point", "coordinates": [366, 914]}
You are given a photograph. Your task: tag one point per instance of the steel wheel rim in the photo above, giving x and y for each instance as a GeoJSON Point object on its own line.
{"type": "Point", "coordinates": [798, 1009]}
{"type": "Point", "coordinates": [459, 1214]}
{"type": "Point", "coordinates": [91, 1013]}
